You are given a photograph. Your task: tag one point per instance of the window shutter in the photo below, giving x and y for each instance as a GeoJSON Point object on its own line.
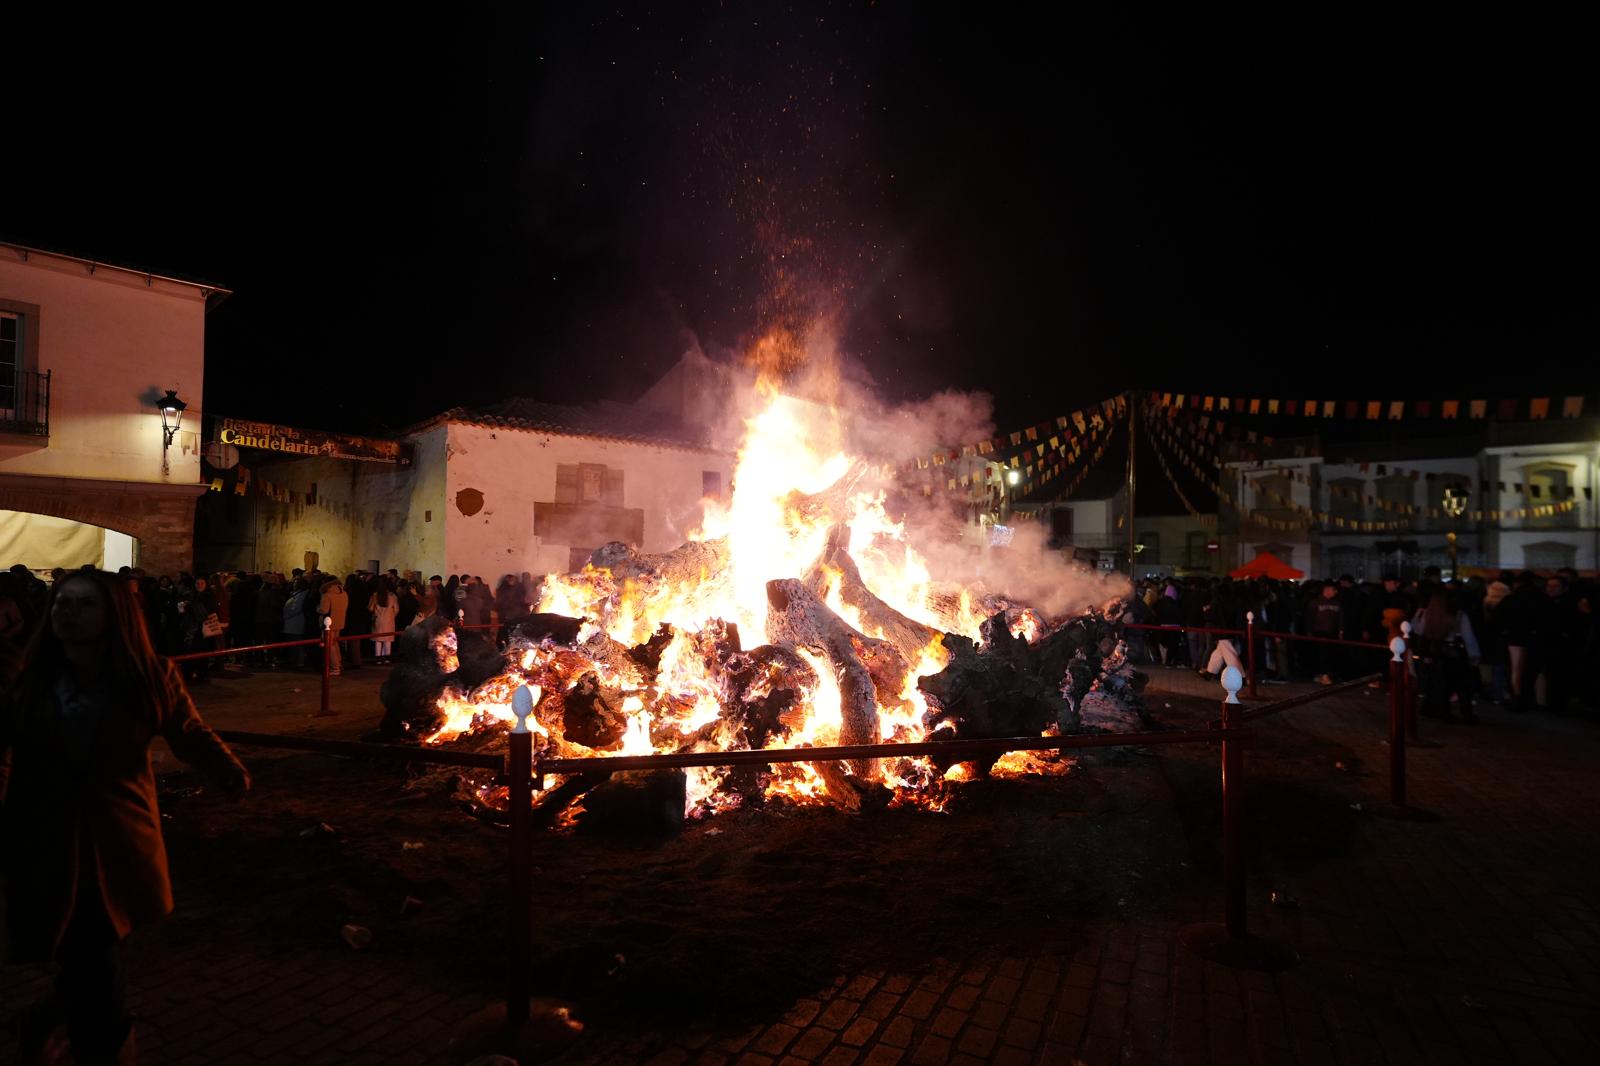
{"type": "Point", "coordinates": [567, 483]}
{"type": "Point", "coordinates": [612, 494]}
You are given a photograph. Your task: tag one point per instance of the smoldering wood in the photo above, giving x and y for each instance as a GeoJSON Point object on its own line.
{"type": "Point", "coordinates": [636, 803]}
{"type": "Point", "coordinates": [548, 807]}
{"type": "Point", "coordinates": [1008, 687]}
{"type": "Point", "coordinates": [555, 627]}
{"type": "Point", "coordinates": [593, 716]}
{"type": "Point", "coordinates": [648, 654]}
{"type": "Point", "coordinates": [410, 694]}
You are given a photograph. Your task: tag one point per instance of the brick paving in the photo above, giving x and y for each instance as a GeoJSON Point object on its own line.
{"type": "Point", "coordinates": [1472, 937]}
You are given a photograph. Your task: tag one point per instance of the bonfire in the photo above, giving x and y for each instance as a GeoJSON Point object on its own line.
{"type": "Point", "coordinates": [799, 614]}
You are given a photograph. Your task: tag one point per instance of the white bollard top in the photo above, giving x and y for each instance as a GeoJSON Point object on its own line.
{"type": "Point", "coordinates": [1397, 647]}
{"type": "Point", "coordinates": [1250, 617]}
{"type": "Point", "coordinates": [1405, 627]}
{"type": "Point", "coordinates": [522, 701]}
{"type": "Point", "coordinates": [327, 622]}
{"type": "Point", "coordinates": [1232, 681]}
{"type": "Point", "coordinates": [461, 616]}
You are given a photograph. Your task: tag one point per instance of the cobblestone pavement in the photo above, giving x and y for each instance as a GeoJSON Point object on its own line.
{"type": "Point", "coordinates": [1469, 936]}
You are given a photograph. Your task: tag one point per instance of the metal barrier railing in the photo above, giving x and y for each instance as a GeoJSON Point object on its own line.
{"type": "Point", "coordinates": [521, 767]}
{"type": "Point", "coordinates": [326, 642]}
{"type": "Point", "coordinates": [1249, 633]}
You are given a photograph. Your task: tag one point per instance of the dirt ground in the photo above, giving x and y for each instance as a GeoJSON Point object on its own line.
{"type": "Point", "coordinates": [744, 911]}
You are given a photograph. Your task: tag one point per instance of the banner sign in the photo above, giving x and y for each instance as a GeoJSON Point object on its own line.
{"type": "Point", "coordinates": [288, 440]}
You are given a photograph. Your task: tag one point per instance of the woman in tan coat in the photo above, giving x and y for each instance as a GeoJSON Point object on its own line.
{"type": "Point", "coordinates": [80, 834]}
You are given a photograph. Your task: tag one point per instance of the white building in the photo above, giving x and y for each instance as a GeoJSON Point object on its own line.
{"type": "Point", "coordinates": [86, 348]}
{"type": "Point", "coordinates": [519, 486]}
{"type": "Point", "coordinates": [1529, 502]}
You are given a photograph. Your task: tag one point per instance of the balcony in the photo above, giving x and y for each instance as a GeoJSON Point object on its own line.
{"type": "Point", "coordinates": [25, 403]}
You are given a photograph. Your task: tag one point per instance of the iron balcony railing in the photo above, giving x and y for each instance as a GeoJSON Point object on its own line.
{"type": "Point", "coordinates": [25, 403]}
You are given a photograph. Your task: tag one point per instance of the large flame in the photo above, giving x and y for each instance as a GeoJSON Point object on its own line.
{"type": "Point", "coordinates": [793, 450]}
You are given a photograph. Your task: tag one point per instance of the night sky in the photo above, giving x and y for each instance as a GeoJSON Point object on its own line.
{"type": "Point", "coordinates": [418, 213]}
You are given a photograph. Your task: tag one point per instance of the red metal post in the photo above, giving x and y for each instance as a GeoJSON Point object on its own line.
{"type": "Point", "coordinates": [519, 769]}
{"type": "Point", "coordinates": [1233, 812]}
{"type": "Point", "coordinates": [327, 664]}
{"type": "Point", "coordinates": [1250, 642]}
{"type": "Point", "coordinates": [1398, 688]}
{"type": "Point", "coordinates": [1411, 684]}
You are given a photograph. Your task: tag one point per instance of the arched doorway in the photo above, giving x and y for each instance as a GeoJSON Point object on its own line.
{"type": "Point", "coordinates": [43, 542]}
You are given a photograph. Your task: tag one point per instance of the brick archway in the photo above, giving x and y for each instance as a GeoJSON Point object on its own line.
{"type": "Point", "coordinates": [159, 517]}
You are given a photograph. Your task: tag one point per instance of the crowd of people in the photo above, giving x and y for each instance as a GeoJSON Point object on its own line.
{"type": "Point", "coordinates": [1517, 641]}
{"type": "Point", "coordinates": [189, 613]}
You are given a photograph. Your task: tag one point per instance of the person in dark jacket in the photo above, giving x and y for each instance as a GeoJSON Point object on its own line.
{"type": "Point", "coordinates": [80, 830]}
{"type": "Point", "coordinates": [1519, 616]}
{"type": "Point", "coordinates": [1324, 619]}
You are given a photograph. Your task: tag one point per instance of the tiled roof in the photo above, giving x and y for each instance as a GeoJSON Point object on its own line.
{"type": "Point", "coordinates": [606, 420]}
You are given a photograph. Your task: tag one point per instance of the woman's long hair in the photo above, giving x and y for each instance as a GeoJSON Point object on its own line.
{"type": "Point", "coordinates": [131, 664]}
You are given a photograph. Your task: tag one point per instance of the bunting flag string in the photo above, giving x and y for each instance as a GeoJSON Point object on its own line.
{"type": "Point", "coordinates": [1052, 432]}
{"type": "Point", "coordinates": [1032, 508]}
{"type": "Point", "coordinates": [1172, 479]}
{"type": "Point", "coordinates": [1505, 409]}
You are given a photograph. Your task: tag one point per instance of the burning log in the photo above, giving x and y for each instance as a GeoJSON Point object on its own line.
{"type": "Point", "coordinates": [427, 660]}
{"type": "Point", "coordinates": [831, 506]}
{"type": "Point", "coordinates": [909, 638]}
{"type": "Point", "coordinates": [796, 616]}
{"type": "Point", "coordinates": [687, 566]}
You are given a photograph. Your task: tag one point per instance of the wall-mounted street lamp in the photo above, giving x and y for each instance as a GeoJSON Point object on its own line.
{"type": "Point", "coordinates": [1455, 505]}
{"type": "Point", "coordinates": [1012, 477]}
{"type": "Point", "coordinates": [172, 410]}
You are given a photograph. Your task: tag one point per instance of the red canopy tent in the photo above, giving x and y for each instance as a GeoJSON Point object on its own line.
{"type": "Point", "coordinates": [1268, 565]}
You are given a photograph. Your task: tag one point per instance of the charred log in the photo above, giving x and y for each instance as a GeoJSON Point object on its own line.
{"type": "Point", "coordinates": [593, 717]}
{"type": "Point", "coordinates": [557, 627]}
{"type": "Point", "coordinates": [648, 654]}
{"type": "Point", "coordinates": [636, 803]}
{"type": "Point", "coordinates": [550, 805]}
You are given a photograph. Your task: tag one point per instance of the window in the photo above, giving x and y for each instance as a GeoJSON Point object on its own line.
{"type": "Point", "coordinates": [1151, 550]}
{"type": "Point", "coordinates": [588, 483]}
{"type": "Point", "coordinates": [1345, 498]}
{"type": "Point", "coordinates": [1061, 523]}
{"type": "Point", "coordinates": [1549, 483]}
{"type": "Point", "coordinates": [1348, 560]}
{"type": "Point", "coordinates": [711, 484]}
{"type": "Point", "coordinates": [1395, 489]}
{"type": "Point", "coordinates": [1194, 550]}
{"type": "Point", "coordinates": [10, 359]}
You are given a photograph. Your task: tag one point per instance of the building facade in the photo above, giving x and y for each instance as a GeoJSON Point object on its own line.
{"type": "Point", "coordinates": [86, 348]}
{"type": "Point", "coordinates": [1519, 496]}
{"type": "Point", "coordinates": [521, 487]}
